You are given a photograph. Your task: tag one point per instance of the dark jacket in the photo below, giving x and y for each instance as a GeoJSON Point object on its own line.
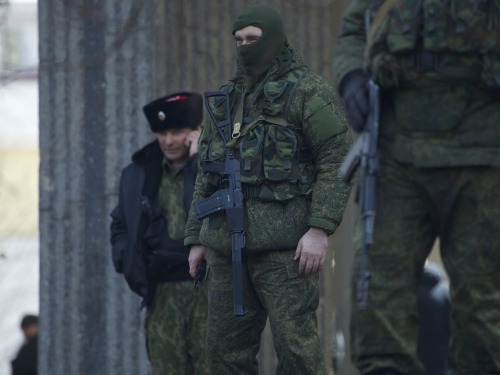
{"type": "Point", "coordinates": [434, 311]}
{"type": "Point", "coordinates": [25, 362]}
{"type": "Point", "coordinates": [138, 222]}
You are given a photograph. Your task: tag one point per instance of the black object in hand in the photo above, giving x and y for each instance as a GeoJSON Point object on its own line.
{"type": "Point", "coordinates": [200, 272]}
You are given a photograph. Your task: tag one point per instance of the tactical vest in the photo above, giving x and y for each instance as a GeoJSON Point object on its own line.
{"type": "Point", "coordinates": [276, 164]}
{"type": "Point", "coordinates": [454, 40]}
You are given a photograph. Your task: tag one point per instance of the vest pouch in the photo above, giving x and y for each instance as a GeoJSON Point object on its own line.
{"type": "Point", "coordinates": [251, 150]}
{"type": "Point", "coordinates": [403, 27]}
{"type": "Point", "coordinates": [435, 24]}
{"type": "Point", "coordinates": [280, 146]}
{"type": "Point", "coordinates": [473, 26]}
{"type": "Point", "coordinates": [430, 109]}
{"type": "Point", "coordinates": [281, 191]}
{"type": "Point", "coordinates": [272, 92]}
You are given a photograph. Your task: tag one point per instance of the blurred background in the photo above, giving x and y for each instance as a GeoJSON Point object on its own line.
{"type": "Point", "coordinates": [19, 162]}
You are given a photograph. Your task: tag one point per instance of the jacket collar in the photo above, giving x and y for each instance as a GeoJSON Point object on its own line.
{"type": "Point", "coordinates": [150, 152]}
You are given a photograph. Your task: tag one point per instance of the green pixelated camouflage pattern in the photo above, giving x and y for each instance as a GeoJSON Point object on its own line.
{"type": "Point", "coordinates": [175, 327]}
{"type": "Point", "coordinates": [303, 145]}
{"type": "Point", "coordinates": [172, 206]}
{"type": "Point", "coordinates": [462, 207]}
{"type": "Point", "coordinates": [428, 121]}
{"type": "Point", "coordinates": [272, 154]}
{"type": "Point", "coordinates": [274, 289]}
{"type": "Point", "coordinates": [436, 123]}
{"type": "Point", "coordinates": [466, 33]}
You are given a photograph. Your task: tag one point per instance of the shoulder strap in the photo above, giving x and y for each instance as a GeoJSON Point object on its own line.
{"type": "Point", "coordinates": [380, 14]}
{"type": "Point", "coordinates": [295, 80]}
{"type": "Point", "coordinates": [372, 27]}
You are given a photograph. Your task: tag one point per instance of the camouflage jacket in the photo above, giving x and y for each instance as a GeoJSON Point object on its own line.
{"type": "Point", "coordinates": [293, 139]}
{"type": "Point", "coordinates": [462, 35]}
{"type": "Point", "coordinates": [438, 63]}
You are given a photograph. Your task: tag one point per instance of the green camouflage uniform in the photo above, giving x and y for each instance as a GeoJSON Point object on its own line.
{"type": "Point", "coordinates": [438, 65]}
{"type": "Point", "coordinates": [292, 142]}
{"type": "Point", "coordinates": [176, 320]}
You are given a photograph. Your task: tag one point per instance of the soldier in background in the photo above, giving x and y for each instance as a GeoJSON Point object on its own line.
{"type": "Point", "coordinates": [437, 63]}
{"type": "Point", "coordinates": [290, 135]}
{"type": "Point", "coordinates": [147, 232]}
{"type": "Point", "coordinates": [26, 359]}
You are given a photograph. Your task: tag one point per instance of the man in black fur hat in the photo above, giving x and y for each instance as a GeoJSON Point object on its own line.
{"type": "Point", "coordinates": [147, 232]}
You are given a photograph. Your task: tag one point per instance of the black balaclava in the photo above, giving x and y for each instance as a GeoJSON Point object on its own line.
{"type": "Point", "coordinates": [256, 58]}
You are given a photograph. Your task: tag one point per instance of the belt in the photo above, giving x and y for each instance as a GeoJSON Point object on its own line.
{"type": "Point", "coordinates": [446, 67]}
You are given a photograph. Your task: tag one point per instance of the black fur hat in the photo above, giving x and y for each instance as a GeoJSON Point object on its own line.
{"type": "Point", "coordinates": [175, 111]}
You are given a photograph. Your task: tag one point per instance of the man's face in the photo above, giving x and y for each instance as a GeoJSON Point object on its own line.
{"type": "Point", "coordinates": [247, 35]}
{"type": "Point", "coordinates": [175, 144]}
{"type": "Point", "coordinates": [30, 331]}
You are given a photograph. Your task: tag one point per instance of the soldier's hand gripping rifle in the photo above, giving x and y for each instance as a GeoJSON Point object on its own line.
{"type": "Point", "coordinates": [228, 198]}
{"type": "Point", "coordinates": [364, 153]}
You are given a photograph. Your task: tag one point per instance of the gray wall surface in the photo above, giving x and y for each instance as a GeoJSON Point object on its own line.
{"type": "Point", "coordinates": [100, 62]}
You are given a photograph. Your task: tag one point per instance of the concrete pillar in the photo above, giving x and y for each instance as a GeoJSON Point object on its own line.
{"type": "Point", "coordinates": [96, 64]}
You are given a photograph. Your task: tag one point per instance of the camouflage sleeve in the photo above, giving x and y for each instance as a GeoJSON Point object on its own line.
{"type": "Point", "coordinates": [350, 47]}
{"type": "Point", "coordinates": [193, 225]}
{"type": "Point", "coordinates": [326, 132]}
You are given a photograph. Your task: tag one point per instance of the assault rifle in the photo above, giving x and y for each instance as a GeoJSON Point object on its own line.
{"type": "Point", "coordinates": [364, 154]}
{"type": "Point", "coordinates": [228, 198]}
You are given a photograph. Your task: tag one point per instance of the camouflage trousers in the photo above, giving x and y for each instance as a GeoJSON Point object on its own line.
{"type": "Point", "coordinates": [274, 289]}
{"type": "Point", "coordinates": [461, 206]}
{"type": "Point", "coordinates": [175, 327]}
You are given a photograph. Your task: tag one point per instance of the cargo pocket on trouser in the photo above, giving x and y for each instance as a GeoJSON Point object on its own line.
{"type": "Point", "coordinates": [291, 302]}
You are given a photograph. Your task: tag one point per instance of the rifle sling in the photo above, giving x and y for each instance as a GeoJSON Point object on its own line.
{"type": "Point", "coordinates": [380, 14]}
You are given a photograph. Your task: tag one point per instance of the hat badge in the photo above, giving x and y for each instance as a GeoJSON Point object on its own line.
{"type": "Point", "coordinates": [161, 115]}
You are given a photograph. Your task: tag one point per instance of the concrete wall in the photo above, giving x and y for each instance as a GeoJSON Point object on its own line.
{"type": "Point", "coordinates": [96, 70]}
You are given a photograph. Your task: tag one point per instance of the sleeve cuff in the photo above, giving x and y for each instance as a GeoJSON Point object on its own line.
{"type": "Point", "coordinates": [191, 240]}
{"type": "Point", "coordinates": [326, 225]}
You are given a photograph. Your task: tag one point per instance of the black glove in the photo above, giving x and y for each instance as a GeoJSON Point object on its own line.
{"type": "Point", "coordinates": [354, 90]}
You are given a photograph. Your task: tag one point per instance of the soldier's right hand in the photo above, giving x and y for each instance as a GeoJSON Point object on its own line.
{"type": "Point", "coordinates": [196, 254]}
{"type": "Point", "coordinates": [354, 90]}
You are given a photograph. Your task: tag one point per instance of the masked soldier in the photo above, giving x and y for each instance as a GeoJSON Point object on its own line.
{"type": "Point", "coordinates": [437, 64]}
{"type": "Point", "coordinates": [289, 136]}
